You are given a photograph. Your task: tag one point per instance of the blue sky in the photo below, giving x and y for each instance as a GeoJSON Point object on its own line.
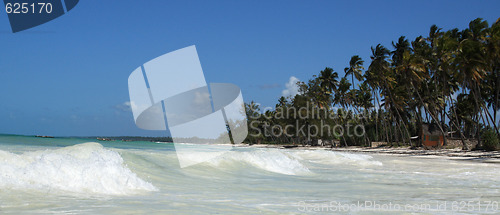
{"type": "Point", "coordinates": [68, 77]}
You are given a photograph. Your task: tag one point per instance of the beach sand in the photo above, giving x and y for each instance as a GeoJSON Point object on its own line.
{"type": "Point", "coordinates": [452, 154]}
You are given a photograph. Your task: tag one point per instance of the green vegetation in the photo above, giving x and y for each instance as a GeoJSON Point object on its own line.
{"type": "Point", "coordinates": [490, 140]}
{"type": "Point", "coordinates": [449, 79]}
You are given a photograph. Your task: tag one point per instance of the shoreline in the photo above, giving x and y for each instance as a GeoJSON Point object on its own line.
{"type": "Point", "coordinates": [451, 154]}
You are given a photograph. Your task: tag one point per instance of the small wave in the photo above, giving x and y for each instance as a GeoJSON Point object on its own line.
{"type": "Point", "coordinates": [271, 160]}
{"type": "Point", "coordinates": [330, 157]}
{"type": "Point", "coordinates": [288, 162]}
{"type": "Point", "coordinates": [82, 168]}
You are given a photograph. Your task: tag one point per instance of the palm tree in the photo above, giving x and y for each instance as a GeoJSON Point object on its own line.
{"type": "Point", "coordinates": [355, 69]}
{"type": "Point", "coordinates": [493, 63]}
{"type": "Point", "coordinates": [471, 61]}
{"type": "Point", "coordinates": [328, 85]}
{"type": "Point", "coordinates": [376, 74]}
{"type": "Point", "coordinates": [342, 98]}
{"type": "Point", "coordinates": [341, 94]}
{"type": "Point", "coordinates": [400, 48]}
{"type": "Point", "coordinates": [409, 69]}
{"type": "Point", "coordinates": [413, 83]}
{"type": "Point", "coordinates": [464, 109]}
{"type": "Point", "coordinates": [363, 99]}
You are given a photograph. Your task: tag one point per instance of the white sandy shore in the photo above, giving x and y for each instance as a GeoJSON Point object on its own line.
{"type": "Point", "coordinates": [452, 154]}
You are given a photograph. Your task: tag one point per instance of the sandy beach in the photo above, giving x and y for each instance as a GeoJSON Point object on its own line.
{"type": "Point", "coordinates": [452, 154]}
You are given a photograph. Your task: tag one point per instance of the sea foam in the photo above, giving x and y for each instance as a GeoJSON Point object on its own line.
{"type": "Point", "coordinates": [84, 168]}
{"type": "Point", "coordinates": [271, 160]}
{"type": "Point", "coordinates": [287, 162]}
{"type": "Point", "coordinates": [333, 158]}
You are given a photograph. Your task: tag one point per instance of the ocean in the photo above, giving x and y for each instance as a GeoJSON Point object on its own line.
{"type": "Point", "coordinates": [85, 176]}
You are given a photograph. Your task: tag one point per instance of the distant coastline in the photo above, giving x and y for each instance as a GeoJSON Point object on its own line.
{"type": "Point", "coordinates": [131, 138]}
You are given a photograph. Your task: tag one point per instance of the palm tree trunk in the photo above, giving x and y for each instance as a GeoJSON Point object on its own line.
{"type": "Point", "coordinates": [479, 112]}
{"type": "Point", "coordinates": [389, 128]}
{"type": "Point", "coordinates": [462, 136]}
{"type": "Point", "coordinates": [376, 117]}
{"type": "Point", "coordinates": [482, 107]}
{"type": "Point", "coordinates": [401, 133]}
{"type": "Point", "coordinates": [384, 122]}
{"type": "Point", "coordinates": [497, 93]}
{"type": "Point", "coordinates": [364, 126]}
{"type": "Point", "coordinates": [397, 111]}
{"type": "Point", "coordinates": [419, 126]}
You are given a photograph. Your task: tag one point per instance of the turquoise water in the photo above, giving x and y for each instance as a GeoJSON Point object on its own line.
{"type": "Point", "coordinates": [84, 176]}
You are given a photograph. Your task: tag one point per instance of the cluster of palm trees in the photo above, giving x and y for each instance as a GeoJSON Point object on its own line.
{"type": "Point", "coordinates": [449, 79]}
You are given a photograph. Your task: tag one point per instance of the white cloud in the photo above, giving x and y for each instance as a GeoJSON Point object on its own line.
{"type": "Point", "coordinates": [126, 107]}
{"type": "Point", "coordinates": [291, 88]}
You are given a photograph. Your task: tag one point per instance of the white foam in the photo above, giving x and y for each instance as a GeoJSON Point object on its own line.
{"type": "Point", "coordinates": [288, 162]}
{"type": "Point", "coordinates": [272, 160]}
{"type": "Point", "coordinates": [330, 157]}
{"type": "Point", "coordinates": [82, 168]}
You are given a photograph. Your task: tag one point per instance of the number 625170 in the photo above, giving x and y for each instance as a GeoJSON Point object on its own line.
{"type": "Point", "coordinates": [28, 8]}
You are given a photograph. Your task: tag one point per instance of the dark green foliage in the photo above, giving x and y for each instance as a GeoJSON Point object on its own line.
{"type": "Point", "coordinates": [450, 79]}
{"type": "Point", "coordinates": [490, 140]}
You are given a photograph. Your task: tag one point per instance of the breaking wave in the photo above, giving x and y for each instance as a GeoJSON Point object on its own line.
{"type": "Point", "coordinates": [272, 160]}
{"type": "Point", "coordinates": [332, 158]}
{"type": "Point", "coordinates": [82, 168]}
{"type": "Point", "coordinates": [288, 162]}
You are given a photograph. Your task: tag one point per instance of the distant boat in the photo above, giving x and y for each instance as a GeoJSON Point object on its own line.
{"type": "Point", "coordinates": [44, 136]}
